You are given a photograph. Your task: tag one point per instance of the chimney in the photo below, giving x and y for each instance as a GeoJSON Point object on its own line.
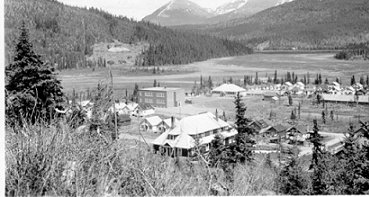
{"type": "Point", "coordinates": [216, 114]}
{"type": "Point", "coordinates": [172, 122]}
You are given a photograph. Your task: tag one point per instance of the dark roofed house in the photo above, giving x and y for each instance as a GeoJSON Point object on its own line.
{"type": "Point", "coordinates": [297, 134]}
{"type": "Point", "coordinates": [258, 125]}
{"type": "Point", "coordinates": [145, 109]}
{"type": "Point", "coordinates": [274, 131]}
{"type": "Point", "coordinates": [124, 120]}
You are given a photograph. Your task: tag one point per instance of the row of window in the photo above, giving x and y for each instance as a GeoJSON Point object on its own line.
{"type": "Point", "coordinates": [158, 101]}
{"type": "Point", "coordinates": [151, 94]}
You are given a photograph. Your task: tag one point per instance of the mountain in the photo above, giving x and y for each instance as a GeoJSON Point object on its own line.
{"type": "Point", "coordinates": [64, 36]}
{"type": "Point", "coordinates": [185, 12]}
{"type": "Point", "coordinates": [242, 8]}
{"type": "Point", "coordinates": [230, 7]}
{"type": "Point", "coordinates": [179, 12]}
{"type": "Point", "coordinates": [302, 24]}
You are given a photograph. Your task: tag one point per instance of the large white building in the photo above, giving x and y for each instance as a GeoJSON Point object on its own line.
{"type": "Point", "coordinates": [193, 132]}
{"type": "Point", "coordinates": [229, 90]}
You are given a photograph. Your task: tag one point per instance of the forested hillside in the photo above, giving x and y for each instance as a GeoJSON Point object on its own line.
{"type": "Point", "coordinates": [301, 24]}
{"type": "Point", "coordinates": [63, 35]}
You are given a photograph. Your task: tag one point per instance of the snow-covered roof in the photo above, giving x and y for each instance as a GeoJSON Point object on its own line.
{"type": "Point", "coordinates": [118, 106]}
{"type": "Point", "coordinates": [336, 84]}
{"type": "Point", "coordinates": [193, 125]}
{"type": "Point", "coordinates": [200, 123]}
{"type": "Point", "coordinates": [168, 121]}
{"type": "Point", "coordinates": [131, 106]}
{"type": "Point", "coordinates": [300, 84]}
{"type": "Point", "coordinates": [288, 83]}
{"type": "Point", "coordinates": [228, 88]}
{"type": "Point", "coordinates": [154, 120]}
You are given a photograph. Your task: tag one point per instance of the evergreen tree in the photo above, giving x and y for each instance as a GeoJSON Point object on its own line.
{"type": "Point", "coordinates": [367, 80]}
{"type": "Point", "coordinates": [326, 81]}
{"type": "Point", "coordinates": [256, 78]}
{"type": "Point", "coordinates": [210, 83]}
{"type": "Point", "coordinates": [243, 140]}
{"type": "Point", "coordinates": [293, 115]}
{"type": "Point", "coordinates": [275, 80]}
{"type": "Point", "coordinates": [155, 83]}
{"type": "Point", "coordinates": [135, 93]}
{"type": "Point", "coordinates": [308, 78]}
{"type": "Point", "coordinates": [323, 116]}
{"type": "Point", "coordinates": [353, 81]}
{"type": "Point", "coordinates": [292, 180]}
{"type": "Point", "coordinates": [290, 101]}
{"type": "Point", "coordinates": [338, 80]}
{"type": "Point", "coordinates": [362, 80]}
{"type": "Point", "coordinates": [32, 89]}
{"type": "Point", "coordinates": [215, 152]}
{"type": "Point", "coordinates": [317, 176]}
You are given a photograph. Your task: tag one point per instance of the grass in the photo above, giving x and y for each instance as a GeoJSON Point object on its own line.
{"type": "Point", "coordinates": [60, 161]}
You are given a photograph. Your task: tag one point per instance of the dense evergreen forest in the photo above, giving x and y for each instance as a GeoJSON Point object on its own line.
{"type": "Point", "coordinates": [301, 24]}
{"type": "Point", "coordinates": [64, 35]}
{"type": "Point", "coordinates": [354, 51]}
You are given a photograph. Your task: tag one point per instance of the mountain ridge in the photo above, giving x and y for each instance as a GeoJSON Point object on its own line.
{"type": "Point", "coordinates": [301, 24]}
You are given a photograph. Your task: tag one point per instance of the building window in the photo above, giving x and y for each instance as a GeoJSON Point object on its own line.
{"type": "Point", "coordinates": [148, 100]}
{"type": "Point", "coordinates": [160, 101]}
{"type": "Point", "coordinates": [171, 137]}
{"type": "Point", "coordinates": [160, 94]}
{"type": "Point", "coordinates": [148, 93]}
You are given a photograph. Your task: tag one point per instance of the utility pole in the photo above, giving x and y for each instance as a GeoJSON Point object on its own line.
{"type": "Point", "coordinates": [115, 114]}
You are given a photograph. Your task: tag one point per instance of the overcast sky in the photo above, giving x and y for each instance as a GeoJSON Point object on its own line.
{"type": "Point", "coordinates": [136, 9]}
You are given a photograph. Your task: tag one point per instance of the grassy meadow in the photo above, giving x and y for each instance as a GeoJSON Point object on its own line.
{"type": "Point", "coordinates": [235, 67]}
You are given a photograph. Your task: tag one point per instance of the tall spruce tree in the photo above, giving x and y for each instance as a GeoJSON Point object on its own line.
{"type": "Point", "coordinates": [32, 89]}
{"type": "Point", "coordinates": [292, 180]}
{"type": "Point", "coordinates": [243, 149]}
{"type": "Point", "coordinates": [317, 176]}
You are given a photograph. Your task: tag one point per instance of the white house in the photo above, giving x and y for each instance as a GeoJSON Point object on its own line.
{"type": "Point", "coordinates": [144, 110]}
{"type": "Point", "coordinates": [168, 123]}
{"type": "Point", "coordinates": [131, 108]}
{"type": "Point", "coordinates": [193, 133]}
{"type": "Point", "coordinates": [229, 90]}
{"type": "Point", "coordinates": [151, 124]}
{"type": "Point", "coordinates": [119, 108]}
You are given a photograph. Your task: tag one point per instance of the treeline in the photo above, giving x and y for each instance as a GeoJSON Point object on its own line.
{"type": "Point", "coordinates": [172, 47]}
{"type": "Point", "coordinates": [354, 50]}
{"type": "Point", "coordinates": [64, 36]}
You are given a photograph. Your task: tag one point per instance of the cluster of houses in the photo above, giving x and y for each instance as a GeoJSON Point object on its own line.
{"type": "Point", "coordinates": [195, 133]}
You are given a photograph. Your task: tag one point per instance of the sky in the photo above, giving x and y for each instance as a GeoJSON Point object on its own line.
{"type": "Point", "coordinates": [136, 9]}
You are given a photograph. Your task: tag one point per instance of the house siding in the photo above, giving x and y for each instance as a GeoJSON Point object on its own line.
{"type": "Point", "coordinates": [164, 98]}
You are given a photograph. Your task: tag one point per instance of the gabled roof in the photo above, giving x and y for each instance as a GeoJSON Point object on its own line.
{"type": "Point", "coordinates": [168, 121]}
{"type": "Point", "coordinates": [299, 128]}
{"type": "Point", "coordinates": [118, 106]}
{"type": "Point", "coordinates": [279, 128]}
{"type": "Point", "coordinates": [153, 120]}
{"type": "Point", "coordinates": [261, 123]}
{"type": "Point", "coordinates": [131, 106]}
{"type": "Point", "coordinates": [228, 88]}
{"type": "Point", "coordinates": [200, 123]}
{"type": "Point", "coordinates": [145, 106]}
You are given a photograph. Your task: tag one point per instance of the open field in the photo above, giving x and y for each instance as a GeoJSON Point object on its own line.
{"type": "Point", "coordinates": [235, 67]}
